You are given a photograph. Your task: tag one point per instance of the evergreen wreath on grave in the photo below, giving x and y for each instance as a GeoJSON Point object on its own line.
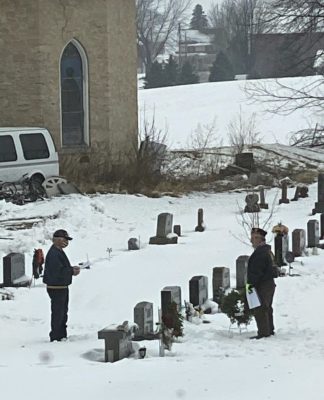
{"type": "Point", "coordinates": [172, 325]}
{"type": "Point", "coordinates": [235, 306]}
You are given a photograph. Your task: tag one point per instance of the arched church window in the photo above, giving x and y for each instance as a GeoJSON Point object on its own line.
{"type": "Point", "coordinates": [73, 97]}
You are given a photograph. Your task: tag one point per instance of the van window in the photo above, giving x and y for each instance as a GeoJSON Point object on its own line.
{"type": "Point", "coordinates": [34, 146]}
{"type": "Point", "coordinates": [7, 149]}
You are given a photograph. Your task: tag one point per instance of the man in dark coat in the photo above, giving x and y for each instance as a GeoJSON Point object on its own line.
{"type": "Point", "coordinates": [58, 274]}
{"type": "Point", "coordinates": [260, 276]}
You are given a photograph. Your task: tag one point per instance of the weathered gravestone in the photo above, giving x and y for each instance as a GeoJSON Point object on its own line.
{"type": "Point", "coordinates": [313, 233]}
{"type": "Point", "coordinates": [177, 230]}
{"type": "Point", "coordinates": [201, 226]}
{"type": "Point", "coordinates": [281, 242]}
{"type": "Point", "coordinates": [118, 341]}
{"type": "Point", "coordinates": [263, 203]}
{"type": "Point", "coordinates": [143, 317]}
{"type": "Point", "coordinates": [14, 270]}
{"type": "Point", "coordinates": [198, 290]}
{"type": "Point", "coordinates": [298, 242]}
{"type": "Point", "coordinates": [241, 271]}
{"type": "Point", "coordinates": [221, 282]}
{"type": "Point", "coordinates": [133, 244]}
{"type": "Point", "coordinates": [319, 205]}
{"type": "Point", "coordinates": [170, 294]}
{"type": "Point", "coordinates": [300, 192]}
{"type": "Point", "coordinates": [252, 205]}
{"type": "Point", "coordinates": [245, 160]}
{"type": "Point", "coordinates": [164, 233]}
{"type": "Point", "coordinates": [284, 198]}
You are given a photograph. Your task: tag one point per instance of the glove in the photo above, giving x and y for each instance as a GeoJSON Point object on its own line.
{"type": "Point", "coordinates": [249, 288]}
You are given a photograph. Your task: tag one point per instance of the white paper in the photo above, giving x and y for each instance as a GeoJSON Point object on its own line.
{"type": "Point", "coordinates": [253, 299]}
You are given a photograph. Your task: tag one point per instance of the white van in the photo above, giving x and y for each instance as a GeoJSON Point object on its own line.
{"type": "Point", "coordinates": [27, 151]}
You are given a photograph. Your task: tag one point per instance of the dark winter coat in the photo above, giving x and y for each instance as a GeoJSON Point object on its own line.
{"type": "Point", "coordinates": [260, 266]}
{"type": "Point", "coordinates": [58, 270]}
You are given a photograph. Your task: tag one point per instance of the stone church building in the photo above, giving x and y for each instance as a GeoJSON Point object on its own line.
{"type": "Point", "coordinates": [70, 66]}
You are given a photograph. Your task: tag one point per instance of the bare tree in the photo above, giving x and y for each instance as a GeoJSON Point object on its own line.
{"type": "Point", "coordinates": [239, 20]}
{"type": "Point", "coordinates": [157, 24]}
{"type": "Point", "coordinates": [305, 18]}
{"type": "Point", "coordinates": [243, 132]}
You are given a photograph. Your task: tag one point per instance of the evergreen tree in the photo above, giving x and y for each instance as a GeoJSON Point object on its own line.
{"type": "Point", "coordinates": [199, 19]}
{"type": "Point", "coordinates": [187, 75]}
{"type": "Point", "coordinates": [221, 69]}
{"type": "Point", "coordinates": [155, 77]}
{"type": "Point", "coordinates": [171, 72]}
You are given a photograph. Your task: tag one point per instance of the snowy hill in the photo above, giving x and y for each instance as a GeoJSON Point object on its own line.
{"type": "Point", "coordinates": [181, 110]}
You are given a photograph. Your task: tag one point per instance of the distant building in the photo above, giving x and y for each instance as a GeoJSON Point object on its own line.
{"type": "Point", "coordinates": [277, 55]}
{"type": "Point", "coordinates": [200, 49]}
{"type": "Point", "coordinates": [71, 66]}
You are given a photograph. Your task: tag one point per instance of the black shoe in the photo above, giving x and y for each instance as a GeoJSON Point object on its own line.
{"type": "Point", "coordinates": [259, 336]}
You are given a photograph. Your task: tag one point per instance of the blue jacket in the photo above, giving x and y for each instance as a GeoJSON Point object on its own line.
{"type": "Point", "coordinates": [58, 270]}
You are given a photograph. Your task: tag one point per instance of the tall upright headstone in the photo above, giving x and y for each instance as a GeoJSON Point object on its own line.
{"type": "Point", "coordinates": [281, 242]}
{"type": "Point", "coordinates": [322, 226]}
{"type": "Point", "coordinates": [313, 233]}
{"type": "Point", "coordinates": [143, 317]}
{"type": "Point", "coordinates": [298, 242]}
{"type": "Point", "coordinates": [221, 282]}
{"type": "Point", "coordinates": [170, 294]}
{"type": "Point", "coordinates": [201, 226]}
{"type": "Point", "coordinates": [164, 233]}
{"type": "Point", "coordinates": [14, 270]}
{"type": "Point", "coordinates": [241, 271]}
{"type": "Point", "coordinates": [263, 203]}
{"type": "Point", "coordinates": [284, 198]}
{"type": "Point", "coordinates": [319, 205]}
{"type": "Point", "coordinates": [198, 290]}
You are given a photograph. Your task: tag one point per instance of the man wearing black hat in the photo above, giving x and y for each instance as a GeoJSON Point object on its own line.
{"type": "Point", "coordinates": [58, 274]}
{"type": "Point", "coordinates": [260, 275]}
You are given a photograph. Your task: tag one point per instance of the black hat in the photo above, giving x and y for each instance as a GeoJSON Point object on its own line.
{"type": "Point", "coordinates": [259, 231]}
{"type": "Point", "coordinates": [61, 233]}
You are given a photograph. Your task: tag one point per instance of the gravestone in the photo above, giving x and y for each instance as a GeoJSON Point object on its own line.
{"type": "Point", "coordinates": [198, 290]}
{"type": "Point", "coordinates": [313, 233]}
{"type": "Point", "coordinates": [118, 341]}
{"type": "Point", "coordinates": [263, 203]}
{"type": "Point", "coordinates": [14, 270]}
{"type": "Point", "coordinates": [281, 244]}
{"type": "Point", "coordinates": [245, 160]}
{"type": "Point", "coordinates": [177, 230]}
{"type": "Point", "coordinates": [319, 205]}
{"type": "Point", "coordinates": [143, 317]}
{"type": "Point", "coordinates": [221, 282]}
{"type": "Point", "coordinates": [303, 191]}
{"type": "Point", "coordinates": [170, 294]}
{"type": "Point", "coordinates": [241, 271]}
{"type": "Point", "coordinates": [201, 226]}
{"type": "Point", "coordinates": [297, 194]}
{"type": "Point", "coordinates": [133, 244]}
{"type": "Point", "coordinates": [284, 198]}
{"type": "Point", "coordinates": [164, 233]}
{"type": "Point", "coordinates": [298, 242]}
{"type": "Point", "coordinates": [322, 226]}
{"type": "Point", "coordinates": [252, 205]}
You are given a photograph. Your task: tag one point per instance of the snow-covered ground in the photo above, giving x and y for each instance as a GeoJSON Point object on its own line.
{"type": "Point", "coordinates": [209, 362]}
{"type": "Point", "coordinates": [182, 110]}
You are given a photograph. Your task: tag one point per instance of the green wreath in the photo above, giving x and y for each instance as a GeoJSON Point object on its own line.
{"type": "Point", "coordinates": [235, 306]}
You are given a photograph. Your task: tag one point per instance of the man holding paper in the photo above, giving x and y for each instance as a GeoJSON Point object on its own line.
{"type": "Point", "coordinates": [260, 277]}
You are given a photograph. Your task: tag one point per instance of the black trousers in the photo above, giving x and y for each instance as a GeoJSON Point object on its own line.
{"type": "Point", "coordinates": [264, 314]}
{"type": "Point", "coordinates": [59, 308]}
